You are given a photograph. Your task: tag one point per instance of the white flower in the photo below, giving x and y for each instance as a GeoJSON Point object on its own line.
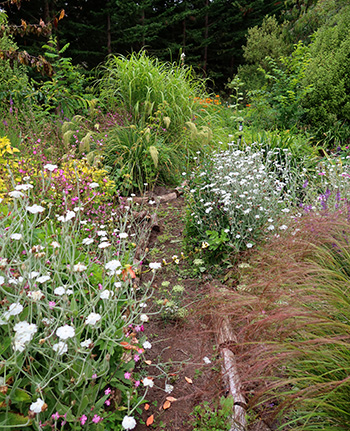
{"type": "Point", "coordinates": [60, 347]}
{"type": "Point", "coordinates": [79, 267]}
{"type": "Point", "coordinates": [101, 233]}
{"type": "Point", "coordinates": [105, 294]}
{"type": "Point", "coordinates": [148, 382]}
{"type": "Point", "coordinates": [92, 319]}
{"type": "Point", "coordinates": [206, 360]}
{"type": "Point", "coordinates": [24, 334]}
{"type": "Point", "coordinates": [14, 309]}
{"type": "Point", "coordinates": [65, 332]}
{"type": "Point", "coordinates": [34, 209]}
{"type": "Point", "coordinates": [283, 227]}
{"type": "Point", "coordinates": [123, 235]}
{"type": "Point", "coordinates": [118, 284]}
{"type": "Point", "coordinates": [87, 241]}
{"type": "Point", "coordinates": [249, 245]}
{"type": "Point", "coordinates": [271, 227]}
{"type": "Point", "coordinates": [67, 217]}
{"type": "Point", "coordinates": [16, 194]}
{"type": "Point", "coordinates": [104, 244]}
{"type": "Point", "coordinates": [24, 187]}
{"type": "Point", "coordinates": [2, 280]}
{"type": "Point", "coordinates": [86, 343]}
{"type": "Point", "coordinates": [60, 290]}
{"type": "Point", "coordinates": [168, 388]}
{"type": "Point", "coordinates": [94, 185]}
{"type": "Point", "coordinates": [155, 265]}
{"type": "Point", "coordinates": [16, 236]}
{"type": "Point", "coordinates": [36, 295]}
{"type": "Point", "coordinates": [128, 423]}
{"type": "Point", "coordinates": [55, 244]}
{"type": "Point", "coordinates": [43, 278]}
{"type": "Point", "coordinates": [50, 167]}
{"type": "Point", "coordinates": [147, 345]}
{"type": "Point", "coordinates": [112, 266]}
{"type": "Point", "coordinates": [144, 318]}
{"type": "Point", "coordinates": [37, 406]}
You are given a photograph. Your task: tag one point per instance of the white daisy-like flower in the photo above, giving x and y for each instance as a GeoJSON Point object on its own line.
{"type": "Point", "coordinates": [65, 332]}
{"type": "Point", "coordinates": [147, 345]}
{"type": "Point", "coordinates": [24, 187]}
{"type": "Point", "coordinates": [60, 290]}
{"type": "Point", "coordinates": [87, 241]}
{"type": "Point", "coordinates": [105, 294]}
{"type": "Point", "coordinates": [35, 209]}
{"type": "Point", "coordinates": [43, 278]}
{"type": "Point", "coordinates": [123, 235]}
{"type": "Point", "coordinates": [104, 244]}
{"type": "Point", "coordinates": [16, 236]}
{"type": "Point", "coordinates": [37, 406]}
{"type": "Point", "coordinates": [60, 347]}
{"type": "Point", "coordinates": [112, 266]}
{"type": "Point", "coordinates": [36, 295]}
{"type": "Point", "coordinates": [16, 194]}
{"type": "Point", "coordinates": [168, 388]}
{"type": "Point", "coordinates": [50, 167]}
{"type": "Point", "coordinates": [79, 267]}
{"type": "Point", "coordinates": [148, 382]}
{"type": "Point", "coordinates": [92, 319]}
{"type": "Point", "coordinates": [94, 185]}
{"type": "Point", "coordinates": [69, 216]}
{"type": "Point", "coordinates": [155, 265]}
{"type": "Point", "coordinates": [14, 309]}
{"type": "Point", "coordinates": [86, 343]}
{"type": "Point", "coordinates": [128, 423]}
{"type": "Point", "coordinates": [144, 318]}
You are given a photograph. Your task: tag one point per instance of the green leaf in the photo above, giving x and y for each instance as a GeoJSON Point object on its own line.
{"type": "Point", "coordinates": [11, 418]}
{"type": "Point", "coordinates": [20, 396]}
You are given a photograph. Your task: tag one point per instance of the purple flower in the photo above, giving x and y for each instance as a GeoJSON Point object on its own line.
{"type": "Point", "coordinates": [108, 391]}
{"type": "Point", "coordinates": [55, 416]}
{"type": "Point", "coordinates": [126, 376]}
{"type": "Point", "coordinates": [83, 419]}
{"type": "Point", "coordinates": [96, 419]}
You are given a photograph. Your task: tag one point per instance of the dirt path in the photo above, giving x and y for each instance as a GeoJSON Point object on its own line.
{"type": "Point", "coordinates": [183, 343]}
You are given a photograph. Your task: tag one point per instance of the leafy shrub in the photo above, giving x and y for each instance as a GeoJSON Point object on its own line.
{"type": "Point", "coordinates": [328, 102]}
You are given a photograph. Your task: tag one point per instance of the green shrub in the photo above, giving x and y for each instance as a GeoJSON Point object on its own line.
{"type": "Point", "coordinates": [329, 101]}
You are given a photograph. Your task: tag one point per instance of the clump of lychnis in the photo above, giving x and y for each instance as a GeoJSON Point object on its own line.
{"type": "Point", "coordinates": [239, 196]}
{"type": "Point", "coordinates": [71, 319]}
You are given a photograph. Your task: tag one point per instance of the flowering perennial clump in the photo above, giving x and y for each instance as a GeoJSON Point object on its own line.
{"type": "Point", "coordinates": [239, 196]}
{"type": "Point", "coordinates": [66, 314]}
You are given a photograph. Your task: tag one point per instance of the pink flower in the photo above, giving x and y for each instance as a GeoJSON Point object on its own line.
{"type": "Point", "coordinates": [94, 376]}
{"type": "Point", "coordinates": [55, 416]}
{"type": "Point", "coordinates": [108, 391]}
{"type": "Point", "coordinates": [83, 419]}
{"type": "Point", "coordinates": [137, 383]}
{"type": "Point", "coordinates": [127, 375]}
{"type": "Point", "coordinates": [52, 305]}
{"type": "Point", "coordinates": [136, 358]}
{"type": "Point", "coordinates": [96, 419]}
{"type": "Point", "coordinates": [107, 402]}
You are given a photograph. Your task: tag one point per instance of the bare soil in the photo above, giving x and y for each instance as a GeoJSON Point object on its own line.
{"type": "Point", "coordinates": [179, 344]}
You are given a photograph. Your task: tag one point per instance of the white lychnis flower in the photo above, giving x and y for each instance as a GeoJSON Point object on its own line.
{"type": "Point", "coordinates": [128, 423]}
{"type": "Point", "coordinates": [92, 319]}
{"type": "Point", "coordinates": [34, 209]}
{"type": "Point", "coordinates": [37, 406]}
{"type": "Point", "coordinates": [65, 332]}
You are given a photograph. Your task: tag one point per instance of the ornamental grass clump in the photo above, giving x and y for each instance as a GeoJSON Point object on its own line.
{"type": "Point", "coordinates": [238, 197]}
{"type": "Point", "coordinates": [291, 323]}
{"type": "Point", "coordinates": [71, 318]}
